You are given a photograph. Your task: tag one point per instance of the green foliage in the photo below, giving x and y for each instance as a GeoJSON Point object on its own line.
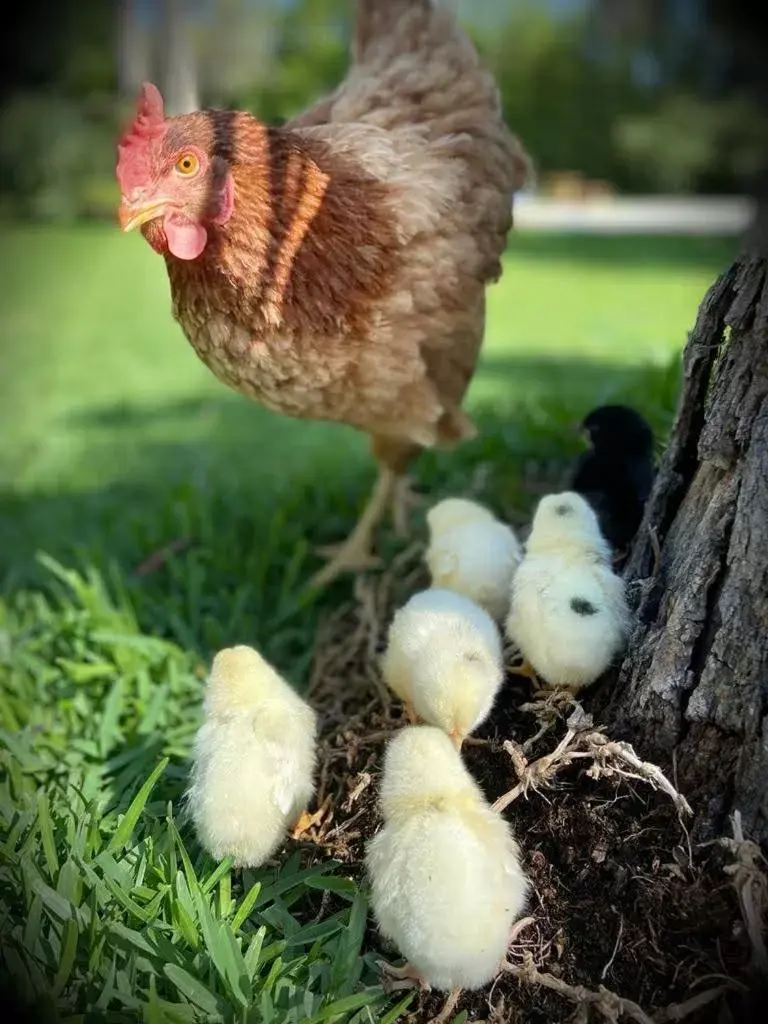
{"type": "Point", "coordinates": [688, 142]}
{"type": "Point", "coordinates": [52, 150]}
{"type": "Point", "coordinates": [559, 100]}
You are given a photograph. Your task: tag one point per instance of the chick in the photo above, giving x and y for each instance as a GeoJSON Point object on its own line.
{"type": "Point", "coordinates": [254, 759]}
{"type": "Point", "coordinates": [568, 615]}
{"type": "Point", "coordinates": [617, 473]}
{"type": "Point", "coordinates": [445, 874]}
{"type": "Point", "coordinates": [473, 553]}
{"type": "Point", "coordinates": [444, 660]}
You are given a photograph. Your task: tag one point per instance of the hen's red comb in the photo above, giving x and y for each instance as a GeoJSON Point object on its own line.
{"type": "Point", "coordinates": [134, 164]}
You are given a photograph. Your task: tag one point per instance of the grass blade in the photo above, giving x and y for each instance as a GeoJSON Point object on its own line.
{"type": "Point", "coordinates": [125, 829]}
{"type": "Point", "coordinates": [192, 989]}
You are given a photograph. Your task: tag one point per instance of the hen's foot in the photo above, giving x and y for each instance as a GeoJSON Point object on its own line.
{"type": "Point", "coordinates": [395, 978]}
{"type": "Point", "coordinates": [404, 501]}
{"type": "Point", "coordinates": [355, 554]}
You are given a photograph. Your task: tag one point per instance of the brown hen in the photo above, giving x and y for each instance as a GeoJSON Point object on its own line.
{"type": "Point", "coordinates": [335, 268]}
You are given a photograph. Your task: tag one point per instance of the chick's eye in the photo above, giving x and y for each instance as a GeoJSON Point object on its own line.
{"type": "Point", "coordinates": [187, 164]}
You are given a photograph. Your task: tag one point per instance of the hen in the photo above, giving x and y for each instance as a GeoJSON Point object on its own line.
{"type": "Point", "coordinates": [335, 268]}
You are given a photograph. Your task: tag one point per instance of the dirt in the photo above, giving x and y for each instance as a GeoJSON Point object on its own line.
{"type": "Point", "coordinates": [621, 899]}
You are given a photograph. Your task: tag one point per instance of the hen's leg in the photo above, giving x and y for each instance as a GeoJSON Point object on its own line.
{"type": "Point", "coordinates": [398, 455]}
{"type": "Point", "coordinates": [356, 553]}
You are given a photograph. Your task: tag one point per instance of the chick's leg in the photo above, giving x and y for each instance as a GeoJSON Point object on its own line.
{"type": "Point", "coordinates": [395, 978]}
{"type": "Point", "coordinates": [355, 553]}
{"type": "Point", "coordinates": [524, 669]}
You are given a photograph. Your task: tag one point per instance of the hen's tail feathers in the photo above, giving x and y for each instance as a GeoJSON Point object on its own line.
{"type": "Point", "coordinates": [377, 18]}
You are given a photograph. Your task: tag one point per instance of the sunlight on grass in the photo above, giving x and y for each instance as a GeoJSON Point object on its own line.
{"type": "Point", "coordinates": [101, 388]}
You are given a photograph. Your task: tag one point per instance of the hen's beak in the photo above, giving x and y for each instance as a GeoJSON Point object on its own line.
{"type": "Point", "coordinates": [131, 215]}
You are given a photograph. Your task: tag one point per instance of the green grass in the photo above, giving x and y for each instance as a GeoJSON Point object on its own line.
{"type": "Point", "coordinates": [115, 440]}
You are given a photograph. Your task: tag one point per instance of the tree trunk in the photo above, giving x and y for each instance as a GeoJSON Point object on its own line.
{"type": "Point", "coordinates": [132, 49]}
{"type": "Point", "coordinates": [693, 689]}
{"type": "Point", "coordinates": [177, 59]}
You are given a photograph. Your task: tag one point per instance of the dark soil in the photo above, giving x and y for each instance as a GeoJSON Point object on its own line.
{"type": "Point", "coordinates": [620, 897]}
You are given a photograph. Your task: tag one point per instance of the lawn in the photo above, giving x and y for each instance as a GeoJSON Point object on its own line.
{"type": "Point", "coordinates": [116, 440]}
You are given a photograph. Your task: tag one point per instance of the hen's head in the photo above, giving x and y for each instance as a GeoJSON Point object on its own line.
{"type": "Point", "coordinates": [172, 181]}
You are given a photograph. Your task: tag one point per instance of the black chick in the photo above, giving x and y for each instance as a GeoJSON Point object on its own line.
{"type": "Point", "coordinates": [616, 474]}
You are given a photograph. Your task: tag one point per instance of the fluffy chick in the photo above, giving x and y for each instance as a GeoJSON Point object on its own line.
{"type": "Point", "coordinates": [444, 660]}
{"type": "Point", "coordinates": [473, 553]}
{"type": "Point", "coordinates": [446, 880]}
{"type": "Point", "coordinates": [568, 614]}
{"type": "Point", "coordinates": [617, 473]}
{"type": "Point", "coordinates": [254, 759]}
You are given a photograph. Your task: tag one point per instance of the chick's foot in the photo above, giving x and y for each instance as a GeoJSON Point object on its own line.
{"type": "Point", "coordinates": [395, 978]}
{"type": "Point", "coordinates": [524, 669]}
{"type": "Point", "coordinates": [307, 821]}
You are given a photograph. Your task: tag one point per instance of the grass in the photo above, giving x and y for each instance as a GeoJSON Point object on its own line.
{"type": "Point", "coordinates": [115, 440]}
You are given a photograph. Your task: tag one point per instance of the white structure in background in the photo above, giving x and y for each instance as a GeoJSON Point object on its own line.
{"type": "Point", "coordinates": [650, 215]}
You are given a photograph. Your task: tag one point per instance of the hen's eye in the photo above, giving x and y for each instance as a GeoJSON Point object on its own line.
{"type": "Point", "coordinates": [187, 164]}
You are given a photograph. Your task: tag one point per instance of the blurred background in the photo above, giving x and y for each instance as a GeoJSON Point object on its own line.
{"type": "Point", "coordinates": [115, 440]}
{"type": "Point", "coordinates": [642, 97]}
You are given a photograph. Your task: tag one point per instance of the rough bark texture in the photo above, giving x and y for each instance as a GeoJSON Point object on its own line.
{"type": "Point", "coordinates": [693, 688]}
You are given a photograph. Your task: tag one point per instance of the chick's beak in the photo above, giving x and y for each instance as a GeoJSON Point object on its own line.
{"type": "Point", "coordinates": [131, 215]}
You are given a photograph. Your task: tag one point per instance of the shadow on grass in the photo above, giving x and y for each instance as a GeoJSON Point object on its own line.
{"type": "Point", "coordinates": [626, 250]}
{"type": "Point", "coordinates": [249, 493]}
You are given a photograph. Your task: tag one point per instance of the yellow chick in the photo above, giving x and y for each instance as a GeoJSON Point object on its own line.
{"type": "Point", "coordinates": [445, 874]}
{"type": "Point", "coordinates": [569, 615]}
{"type": "Point", "coordinates": [254, 759]}
{"type": "Point", "coordinates": [472, 552]}
{"type": "Point", "coordinates": [444, 660]}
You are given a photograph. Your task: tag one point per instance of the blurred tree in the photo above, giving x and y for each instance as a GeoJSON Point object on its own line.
{"type": "Point", "coordinates": [560, 98]}
{"type": "Point", "coordinates": [133, 51]}
{"type": "Point", "coordinates": [176, 58]}
{"type": "Point", "coordinates": [311, 57]}
{"type": "Point", "coordinates": [237, 51]}
{"type": "Point", "coordinates": [688, 144]}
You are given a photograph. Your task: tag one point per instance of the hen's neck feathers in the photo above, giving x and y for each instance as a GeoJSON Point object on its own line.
{"type": "Point", "coordinates": [311, 242]}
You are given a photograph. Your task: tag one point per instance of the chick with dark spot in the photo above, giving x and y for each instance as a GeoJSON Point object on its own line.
{"type": "Point", "coordinates": [616, 474]}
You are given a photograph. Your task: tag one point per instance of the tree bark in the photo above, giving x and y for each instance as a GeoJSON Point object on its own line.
{"type": "Point", "coordinates": [693, 688]}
